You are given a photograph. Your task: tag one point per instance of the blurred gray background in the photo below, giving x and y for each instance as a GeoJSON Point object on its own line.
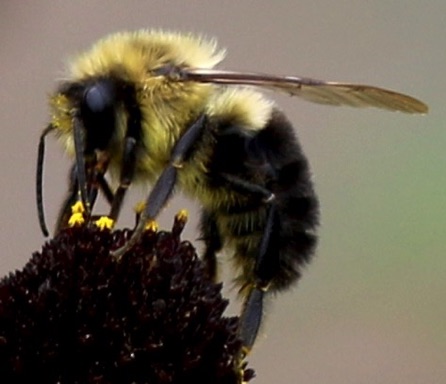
{"type": "Point", "coordinates": [371, 307]}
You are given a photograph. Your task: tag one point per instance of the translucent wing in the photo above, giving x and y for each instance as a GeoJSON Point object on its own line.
{"type": "Point", "coordinates": [316, 91]}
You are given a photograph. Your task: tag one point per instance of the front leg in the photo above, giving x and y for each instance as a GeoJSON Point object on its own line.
{"type": "Point", "coordinates": [126, 176]}
{"type": "Point", "coordinates": [71, 198]}
{"type": "Point", "coordinates": [73, 194]}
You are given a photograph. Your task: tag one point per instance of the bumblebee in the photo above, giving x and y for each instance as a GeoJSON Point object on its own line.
{"type": "Point", "coordinates": [151, 107]}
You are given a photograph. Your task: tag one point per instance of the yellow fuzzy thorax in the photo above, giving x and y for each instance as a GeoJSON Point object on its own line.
{"type": "Point", "coordinates": [143, 50]}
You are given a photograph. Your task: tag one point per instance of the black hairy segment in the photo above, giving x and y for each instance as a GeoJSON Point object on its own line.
{"type": "Point", "coordinates": [273, 159]}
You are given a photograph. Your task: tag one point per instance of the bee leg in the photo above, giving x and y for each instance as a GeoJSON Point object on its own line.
{"type": "Point", "coordinates": [81, 163]}
{"type": "Point", "coordinates": [71, 198]}
{"type": "Point", "coordinates": [244, 186]}
{"type": "Point", "coordinates": [165, 184]}
{"type": "Point", "coordinates": [264, 268]}
{"type": "Point", "coordinates": [126, 177]}
{"type": "Point", "coordinates": [252, 313]}
{"type": "Point", "coordinates": [251, 318]}
{"type": "Point", "coordinates": [212, 239]}
{"type": "Point", "coordinates": [105, 188]}
{"type": "Point", "coordinates": [153, 205]}
{"type": "Point", "coordinates": [99, 183]}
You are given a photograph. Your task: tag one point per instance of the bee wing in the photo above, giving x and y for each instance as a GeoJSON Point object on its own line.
{"type": "Point", "coordinates": [316, 91]}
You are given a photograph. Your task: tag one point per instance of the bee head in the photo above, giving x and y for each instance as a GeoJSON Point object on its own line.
{"type": "Point", "coordinates": [94, 103]}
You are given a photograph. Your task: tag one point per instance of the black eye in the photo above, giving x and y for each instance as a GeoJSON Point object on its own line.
{"type": "Point", "coordinates": [98, 114]}
{"type": "Point", "coordinates": [99, 97]}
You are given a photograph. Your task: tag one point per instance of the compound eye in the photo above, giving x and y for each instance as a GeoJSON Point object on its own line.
{"type": "Point", "coordinates": [98, 114]}
{"type": "Point", "coordinates": [99, 97]}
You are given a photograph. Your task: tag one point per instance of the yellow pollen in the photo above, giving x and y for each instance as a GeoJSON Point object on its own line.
{"type": "Point", "coordinates": [182, 215]}
{"type": "Point", "coordinates": [104, 222]}
{"type": "Point", "coordinates": [76, 219]}
{"type": "Point", "coordinates": [151, 226]}
{"type": "Point", "coordinates": [78, 207]}
{"type": "Point", "coordinates": [139, 207]}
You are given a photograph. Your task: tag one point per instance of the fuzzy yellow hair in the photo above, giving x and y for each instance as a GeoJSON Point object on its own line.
{"type": "Point", "coordinates": [144, 50]}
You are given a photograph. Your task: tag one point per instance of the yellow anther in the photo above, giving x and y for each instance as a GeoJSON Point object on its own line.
{"type": "Point", "coordinates": [78, 207]}
{"type": "Point", "coordinates": [104, 222]}
{"type": "Point", "coordinates": [76, 219]}
{"type": "Point", "coordinates": [139, 207]}
{"type": "Point", "coordinates": [244, 352]}
{"type": "Point", "coordinates": [151, 226]}
{"type": "Point", "coordinates": [182, 215]}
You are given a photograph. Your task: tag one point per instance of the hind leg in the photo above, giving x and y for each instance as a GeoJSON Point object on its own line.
{"type": "Point", "coordinates": [266, 262]}
{"type": "Point", "coordinates": [266, 265]}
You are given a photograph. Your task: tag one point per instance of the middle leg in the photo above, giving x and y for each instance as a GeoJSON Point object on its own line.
{"type": "Point", "coordinates": [213, 243]}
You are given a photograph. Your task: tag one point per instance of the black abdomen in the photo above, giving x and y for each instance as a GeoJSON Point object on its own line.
{"type": "Point", "coordinates": [273, 160]}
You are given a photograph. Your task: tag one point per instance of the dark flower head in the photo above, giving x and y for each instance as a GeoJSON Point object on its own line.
{"type": "Point", "coordinates": [74, 314]}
